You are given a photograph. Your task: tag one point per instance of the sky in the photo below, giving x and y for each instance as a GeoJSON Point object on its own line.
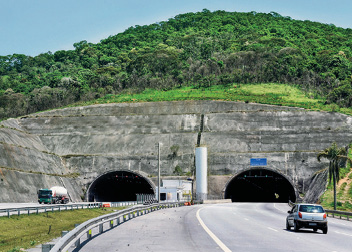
{"type": "Point", "coordinates": [32, 27]}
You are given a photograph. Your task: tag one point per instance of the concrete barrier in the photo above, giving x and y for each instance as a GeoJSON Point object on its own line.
{"type": "Point", "coordinates": [47, 247]}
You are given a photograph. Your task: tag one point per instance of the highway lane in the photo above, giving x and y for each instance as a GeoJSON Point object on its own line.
{"type": "Point", "coordinates": [17, 205]}
{"type": "Point", "coordinates": [222, 227]}
{"type": "Point", "coordinates": [174, 229]}
{"type": "Point", "coordinates": [36, 204]}
{"type": "Point", "coordinates": [261, 227]}
{"type": "Point", "coordinates": [32, 206]}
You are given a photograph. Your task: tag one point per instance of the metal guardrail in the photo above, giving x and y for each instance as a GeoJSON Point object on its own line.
{"type": "Point", "coordinates": [339, 213]}
{"type": "Point", "coordinates": [74, 236]}
{"type": "Point", "coordinates": [58, 207]}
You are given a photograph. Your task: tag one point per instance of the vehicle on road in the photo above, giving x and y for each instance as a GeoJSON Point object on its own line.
{"type": "Point", "coordinates": [310, 216]}
{"type": "Point", "coordinates": [54, 195]}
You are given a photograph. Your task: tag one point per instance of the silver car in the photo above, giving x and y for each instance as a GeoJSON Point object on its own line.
{"type": "Point", "coordinates": [307, 216]}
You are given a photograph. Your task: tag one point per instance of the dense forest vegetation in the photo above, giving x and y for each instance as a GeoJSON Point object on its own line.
{"type": "Point", "coordinates": [201, 49]}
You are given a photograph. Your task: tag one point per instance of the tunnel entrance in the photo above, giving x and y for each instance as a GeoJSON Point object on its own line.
{"type": "Point", "coordinates": [260, 185]}
{"type": "Point", "coordinates": [119, 186]}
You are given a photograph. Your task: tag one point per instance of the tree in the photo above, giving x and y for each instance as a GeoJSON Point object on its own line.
{"type": "Point", "coordinates": [203, 48]}
{"type": "Point", "coordinates": [337, 158]}
{"type": "Point", "coordinates": [80, 45]}
{"type": "Point", "coordinates": [341, 95]}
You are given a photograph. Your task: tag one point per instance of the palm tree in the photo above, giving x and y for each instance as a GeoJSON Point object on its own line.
{"type": "Point", "coordinates": [337, 157]}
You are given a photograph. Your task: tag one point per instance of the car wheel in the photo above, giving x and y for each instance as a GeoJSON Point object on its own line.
{"type": "Point", "coordinates": [295, 226]}
{"type": "Point", "coordinates": [288, 226]}
{"type": "Point", "coordinates": [315, 229]}
{"type": "Point", "coordinates": [325, 230]}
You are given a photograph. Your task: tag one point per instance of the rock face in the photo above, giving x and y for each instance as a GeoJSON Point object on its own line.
{"type": "Point", "coordinates": [71, 147]}
{"type": "Point", "coordinates": [316, 184]}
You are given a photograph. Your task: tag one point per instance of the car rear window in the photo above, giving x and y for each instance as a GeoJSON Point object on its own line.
{"type": "Point", "coordinates": [311, 209]}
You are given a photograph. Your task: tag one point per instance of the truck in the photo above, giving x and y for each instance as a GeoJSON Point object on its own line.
{"type": "Point", "coordinates": [54, 195]}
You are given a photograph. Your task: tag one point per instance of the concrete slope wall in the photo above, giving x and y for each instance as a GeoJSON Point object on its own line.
{"type": "Point", "coordinates": [26, 166]}
{"type": "Point", "coordinates": [73, 146]}
{"type": "Point", "coordinates": [289, 140]}
{"type": "Point", "coordinates": [122, 135]}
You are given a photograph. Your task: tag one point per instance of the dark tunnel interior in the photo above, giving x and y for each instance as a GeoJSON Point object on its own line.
{"type": "Point", "coordinates": [118, 186]}
{"type": "Point", "coordinates": [260, 185]}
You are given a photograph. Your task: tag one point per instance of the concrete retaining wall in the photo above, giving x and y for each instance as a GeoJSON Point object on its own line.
{"type": "Point", "coordinates": [75, 145]}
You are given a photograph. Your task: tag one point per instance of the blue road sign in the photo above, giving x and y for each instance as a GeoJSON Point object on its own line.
{"type": "Point", "coordinates": [258, 162]}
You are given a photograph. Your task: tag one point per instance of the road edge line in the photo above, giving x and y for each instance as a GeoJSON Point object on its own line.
{"type": "Point", "coordinates": [211, 234]}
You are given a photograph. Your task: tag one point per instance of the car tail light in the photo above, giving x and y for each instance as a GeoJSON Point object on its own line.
{"type": "Point", "coordinates": [324, 216]}
{"type": "Point", "coordinates": [300, 215]}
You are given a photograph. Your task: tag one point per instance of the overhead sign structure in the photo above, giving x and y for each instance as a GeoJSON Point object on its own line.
{"type": "Point", "coordinates": [258, 162]}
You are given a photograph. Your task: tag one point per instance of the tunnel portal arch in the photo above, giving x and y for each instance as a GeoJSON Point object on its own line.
{"type": "Point", "coordinates": [120, 185]}
{"type": "Point", "coordinates": [260, 185]}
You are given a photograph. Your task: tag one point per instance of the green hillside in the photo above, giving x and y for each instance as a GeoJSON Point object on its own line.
{"type": "Point", "coordinates": [198, 50]}
{"type": "Point", "coordinates": [268, 93]}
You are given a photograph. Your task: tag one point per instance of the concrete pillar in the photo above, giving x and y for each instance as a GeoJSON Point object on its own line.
{"type": "Point", "coordinates": [202, 173]}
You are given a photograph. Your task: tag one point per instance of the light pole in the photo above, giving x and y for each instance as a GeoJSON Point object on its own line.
{"type": "Point", "coordinates": [159, 172]}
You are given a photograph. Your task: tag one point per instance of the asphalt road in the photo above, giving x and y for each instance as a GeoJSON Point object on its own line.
{"type": "Point", "coordinates": [222, 227]}
{"type": "Point", "coordinates": [17, 205]}
{"type": "Point", "coordinates": [23, 207]}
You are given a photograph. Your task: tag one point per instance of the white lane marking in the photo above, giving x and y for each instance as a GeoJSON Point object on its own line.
{"type": "Point", "coordinates": [246, 219]}
{"type": "Point", "coordinates": [343, 233]}
{"type": "Point", "coordinates": [212, 235]}
{"type": "Point", "coordinates": [272, 229]}
{"type": "Point", "coordinates": [339, 222]}
{"type": "Point", "coordinates": [279, 209]}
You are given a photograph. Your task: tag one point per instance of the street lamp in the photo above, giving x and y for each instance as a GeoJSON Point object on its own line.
{"type": "Point", "coordinates": [158, 145]}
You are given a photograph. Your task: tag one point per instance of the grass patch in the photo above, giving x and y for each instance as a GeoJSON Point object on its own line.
{"type": "Point", "coordinates": [343, 172]}
{"type": "Point", "coordinates": [343, 199]}
{"type": "Point", "coordinates": [350, 192]}
{"type": "Point", "coordinates": [269, 93]}
{"type": "Point", "coordinates": [28, 231]}
{"type": "Point", "coordinates": [341, 191]}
